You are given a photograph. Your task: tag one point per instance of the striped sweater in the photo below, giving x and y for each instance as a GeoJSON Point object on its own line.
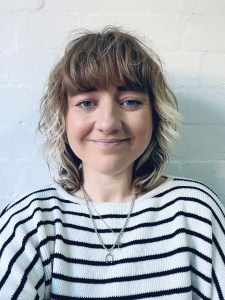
{"type": "Point", "coordinates": [173, 246]}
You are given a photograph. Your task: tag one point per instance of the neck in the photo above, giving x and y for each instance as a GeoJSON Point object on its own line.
{"type": "Point", "coordinates": [106, 188]}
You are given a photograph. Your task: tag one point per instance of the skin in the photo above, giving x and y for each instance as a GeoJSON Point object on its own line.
{"type": "Point", "coordinates": [108, 130]}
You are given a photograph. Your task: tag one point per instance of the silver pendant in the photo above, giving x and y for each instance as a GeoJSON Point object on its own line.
{"type": "Point", "coordinates": [109, 258]}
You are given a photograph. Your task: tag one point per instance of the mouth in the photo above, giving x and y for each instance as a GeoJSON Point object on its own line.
{"type": "Point", "coordinates": [110, 143]}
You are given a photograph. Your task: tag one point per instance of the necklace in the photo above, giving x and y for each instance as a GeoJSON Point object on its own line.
{"type": "Point", "coordinates": [90, 202]}
{"type": "Point", "coordinates": [109, 258]}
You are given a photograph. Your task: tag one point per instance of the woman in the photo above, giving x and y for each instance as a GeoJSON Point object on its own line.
{"type": "Point", "coordinates": [113, 226]}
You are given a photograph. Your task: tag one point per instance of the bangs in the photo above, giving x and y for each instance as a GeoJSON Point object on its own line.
{"type": "Point", "coordinates": [100, 60]}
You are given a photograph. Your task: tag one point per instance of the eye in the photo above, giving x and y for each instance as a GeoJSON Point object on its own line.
{"type": "Point", "coordinates": [86, 104]}
{"type": "Point", "coordinates": [131, 103]}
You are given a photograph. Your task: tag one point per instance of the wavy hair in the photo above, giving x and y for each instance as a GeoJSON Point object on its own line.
{"type": "Point", "coordinates": [96, 59]}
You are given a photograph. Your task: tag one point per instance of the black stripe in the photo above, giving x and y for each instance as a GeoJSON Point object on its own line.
{"type": "Point", "coordinates": [115, 216]}
{"type": "Point", "coordinates": [175, 291]}
{"type": "Point", "coordinates": [153, 209]}
{"type": "Point", "coordinates": [17, 254]}
{"type": "Point", "coordinates": [219, 249]}
{"type": "Point", "coordinates": [217, 285]}
{"type": "Point", "coordinates": [134, 259]}
{"type": "Point", "coordinates": [48, 282]}
{"type": "Point", "coordinates": [195, 181]}
{"type": "Point", "coordinates": [184, 187]}
{"type": "Point", "coordinates": [170, 272]}
{"type": "Point", "coordinates": [24, 278]}
{"type": "Point", "coordinates": [4, 210]}
{"type": "Point", "coordinates": [199, 274]}
{"type": "Point", "coordinates": [196, 291]}
{"type": "Point", "coordinates": [157, 223]}
{"type": "Point", "coordinates": [40, 282]}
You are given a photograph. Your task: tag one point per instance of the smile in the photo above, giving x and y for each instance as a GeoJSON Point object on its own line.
{"type": "Point", "coordinates": [110, 143]}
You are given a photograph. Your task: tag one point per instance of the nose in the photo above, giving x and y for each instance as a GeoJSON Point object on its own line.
{"type": "Point", "coordinates": [109, 118]}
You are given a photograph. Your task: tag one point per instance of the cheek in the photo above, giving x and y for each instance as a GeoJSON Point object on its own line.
{"type": "Point", "coordinates": [76, 128]}
{"type": "Point", "coordinates": [144, 128]}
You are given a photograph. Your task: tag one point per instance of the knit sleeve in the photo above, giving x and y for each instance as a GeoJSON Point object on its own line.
{"type": "Point", "coordinates": [22, 272]}
{"type": "Point", "coordinates": [218, 251]}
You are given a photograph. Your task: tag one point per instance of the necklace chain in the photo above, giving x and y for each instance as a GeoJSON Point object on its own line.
{"type": "Point", "coordinates": [102, 219]}
{"type": "Point", "coordinates": [109, 257]}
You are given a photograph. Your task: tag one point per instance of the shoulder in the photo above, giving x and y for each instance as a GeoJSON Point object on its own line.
{"type": "Point", "coordinates": [195, 196]}
{"type": "Point", "coordinates": [189, 186]}
{"type": "Point", "coordinates": [186, 187]}
{"type": "Point", "coordinates": [33, 216]}
{"type": "Point", "coordinates": [190, 195]}
{"type": "Point", "coordinates": [33, 205]}
{"type": "Point", "coordinates": [23, 201]}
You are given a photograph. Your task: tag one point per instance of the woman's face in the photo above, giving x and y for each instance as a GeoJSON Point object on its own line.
{"type": "Point", "coordinates": [109, 129]}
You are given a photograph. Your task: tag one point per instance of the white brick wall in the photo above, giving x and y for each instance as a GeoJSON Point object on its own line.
{"type": "Point", "coordinates": [190, 37]}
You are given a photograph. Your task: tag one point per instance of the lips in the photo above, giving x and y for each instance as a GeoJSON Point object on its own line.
{"type": "Point", "coordinates": [110, 140]}
{"type": "Point", "coordinates": [109, 143]}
